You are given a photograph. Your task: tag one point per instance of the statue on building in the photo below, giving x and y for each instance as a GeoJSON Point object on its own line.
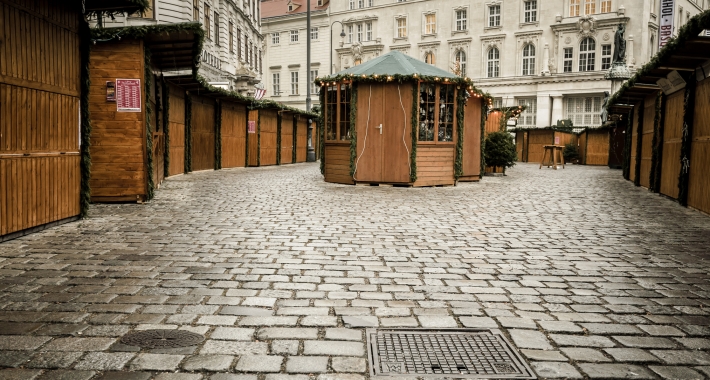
{"type": "Point", "coordinates": [605, 112]}
{"type": "Point", "coordinates": [619, 45]}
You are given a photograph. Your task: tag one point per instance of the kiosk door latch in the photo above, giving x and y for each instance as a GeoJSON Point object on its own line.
{"type": "Point", "coordinates": [380, 128]}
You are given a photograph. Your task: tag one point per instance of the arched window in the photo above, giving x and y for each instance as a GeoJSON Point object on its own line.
{"type": "Point", "coordinates": [493, 70]}
{"type": "Point", "coordinates": [430, 59]}
{"type": "Point", "coordinates": [461, 59]}
{"type": "Point", "coordinates": [587, 54]}
{"type": "Point", "coordinates": [529, 59]}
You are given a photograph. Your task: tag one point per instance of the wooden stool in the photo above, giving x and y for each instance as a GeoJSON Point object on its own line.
{"type": "Point", "coordinates": [555, 152]}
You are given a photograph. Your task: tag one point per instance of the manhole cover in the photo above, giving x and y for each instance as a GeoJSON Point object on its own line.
{"type": "Point", "coordinates": [162, 338]}
{"type": "Point", "coordinates": [458, 352]}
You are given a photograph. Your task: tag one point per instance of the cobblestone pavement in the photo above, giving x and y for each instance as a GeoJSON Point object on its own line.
{"type": "Point", "coordinates": [589, 276]}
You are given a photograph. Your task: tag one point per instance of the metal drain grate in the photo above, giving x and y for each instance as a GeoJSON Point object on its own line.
{"type": "Point", "coordinates": [458, 352]}
{"type": "Point", "coordinates": [162, 338]}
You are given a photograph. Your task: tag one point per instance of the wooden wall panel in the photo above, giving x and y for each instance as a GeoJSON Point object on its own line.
{"type": "Point", "coordinates": [649, 117]}
{"type": "Point", "coordinates": [39, 113]}
{"type": "Point", "coordinates": [638, 108]}
{"type": "Point", "coordinates": [234, 135]}
{"type": "Point", "coordinates": [118, 139]}
{"type": "Point", "coordinates": [268, 136]}
{"type": "Point", "coordinates": [582, 147]}
{"type": "Point", "coordinates": [699, 183]}
{"type": "Point", "coordinates": [521, 140]}
{"type": "Point", "coordinates": [536, 142]}
{"type": "Point", "coordinates": [672, 139]}
{"type": "Point", "coordinates": [158, 158]}
{"type": "Point", "coordinates": [493, 121]}
{"type": "Point", "coordinates": [472, 140]}
{"type": "Point", "coordinates": [254, 139]}
{"type": "Point", "coordinates": [177, 130]}
{"type": "Point", "coordinates": [435, 165]}
{"type": "Point", "coordinates": [597, 152]}
{"type": "Point", "coordinates": [203, 133]}
{"type": "Point", "coordinates": [337, 164]}
{"type": "Point", "coordinates": [397, 133]}
{"type": "Point", "coordinates": [287, 140]}
{"type": "Point", "coordinates": [564, 138]}
{"type": "Point", "coordinates": [301, 139]}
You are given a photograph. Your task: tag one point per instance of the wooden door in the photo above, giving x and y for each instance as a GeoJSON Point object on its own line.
{"type": "Point", "coordinates": [267, 137]}
{"type": "Point", "coordinates": [582, 147]}
{"type": "Point", "coordinates": [617, 139]}
{"type": "Point", "coordinates": [396, 133]}
{"type": "Point", "coordinates": [301, 142]}
{"type": "Point", "coordinates": [203, 134]}
{"type": "Point", "coordinates": [370, 138]}
{"type": "Point", "coordinates": [633, 163]}
{"type": "Point", "coordinates": [647, 131]}
{"type": "Point", "coordinates": [176, 126]}
{"type": "Point", "coordinates": [234, 135]}
{"type": "Point", "coordinates": [253, 138]}
{"type": "Point", "coordinates": [472, 139]}
{"type": "Point", "coordinates": [699, 177]}
{"type": "Point", "coordinates": [287, 122]}
{"type": "Point", "coordinates": [672, 139]}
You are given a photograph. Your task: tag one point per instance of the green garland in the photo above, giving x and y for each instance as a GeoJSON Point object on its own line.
{"type": "Point", "coordinates": [654, 183]}
{"type": "Point", "coordinates": [321, 135]}
{"type": "Point", "coordinates": [484, 116]}
{"type": "Point", "coordinates": [278, 138]}
{"type": "Point", "coordinates": [353, 130]}
{"type": "Point", "coordinates": [166, 127]}
{"type": "Point", "coordinates": [458, 162]}
{"type": "Point", "coordinates": [639, 142]}
{"type": "Point", "coordinates": [686, 141]}
{"type": "Point", "coordinates": [415, 129]}
{"type": "Point", "coordinates": [148, 126]}
{"type": "Point", "coordinates": [626, 158]}
{"type": "Point", "coordinates": [188, 133]}
{"type": "Point", "coordinates": [218, 135]}
{"type": "Point", "coordinates": [85, 148]}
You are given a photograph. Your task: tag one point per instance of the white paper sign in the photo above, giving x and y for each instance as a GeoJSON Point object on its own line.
{"type": "Point", "coordinates": [665, 33]}
{"type": "Point", "coordinates": [672, 83]}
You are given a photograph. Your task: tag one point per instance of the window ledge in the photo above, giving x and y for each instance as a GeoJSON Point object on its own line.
{"type": "Point", "coordinates": [455, 32]}
{"type": "Point", "coordinates": [294, 95]}
{"type": "Point", "coordinates": [396, 39]}
{"type": "Point", "coordinates": [429, 35]}
{"type": "Point", "coordinates": [487, 28]}
{"type": "Point", "coordinates": [533, 23]}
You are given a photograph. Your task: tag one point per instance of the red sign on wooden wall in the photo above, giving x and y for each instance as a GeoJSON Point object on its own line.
{"type": "Point", "coordinates": [128, 95]}
{"type": "Point", "coordinates": [252, 126]}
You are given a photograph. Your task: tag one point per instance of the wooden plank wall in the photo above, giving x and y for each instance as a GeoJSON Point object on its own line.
{"type": "Point", "coordinates": [254, 139]}
{"type": "Point", "coordinates": [118, 139]}
{"type": "Point", "coordinates": [158, 133]}
{"type": "Point", "coordinates": [564, 138]}
{"type": "Point", "coordinates": [649, 117]}
{"type": "Point", "coordinates": [597, 152]}
{"type": "Point", "coordinates": [268, 136]}
{"type": "Point", "coordinates": [234, 135]}
{"type": "Point", "coordinates": [493, 121]}
{"type": "Point", "coordinates": [672, 139]}
{"type": "Point", "coordinates": [39, 114]}
{"type": "Point", "coordinates": [203, 133]}
{"type": "Point", "coordinates": [177, 130]}
{"type": "Point", "coordinates": [287, 140]}
{"type": "Point", "coordinates": [536, 142]}
{"type": "Point", "coordinates": [521, 145]}
{"type": "Point", "coordinates": [301, 138]}
{"type": "Point", "coordinates": [634, 141]}
{"type": "Point", "coordinates": [699, 183]}
{"type": "Point", "coordinates": [337, 164]}
{"type": "Point", "coordinates": [472, 140]}
{"type": "Point", "coordinates": [435, 165]}
{"type": "Point", "coordinates": [582, 147]}
{"type": "Point", "coordinates": [617, 136]}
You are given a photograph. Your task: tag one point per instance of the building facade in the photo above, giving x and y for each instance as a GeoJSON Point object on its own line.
{"type": "Point", "coordinates": [548, 55]}
{"type": "Point", "coordinates": [285, 33]}
{"type": "Point", "coordinates": [232, 55]}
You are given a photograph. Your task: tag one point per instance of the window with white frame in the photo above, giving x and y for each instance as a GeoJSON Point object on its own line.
{"type": "Point", "coordinates": [294, 36]}
{"type": "Point", "coordinates": [359, 32]}
{"type": "Point", "coordinates": [606, 57]}
{"type": "Point", "coordinates": [528, 118]}
{"type": "Point", "coordinates": [494, 15]}
{"type": "Point", "coordinates": [606, 6]}
{"type": "Point", "coordinates": [590, 7]}
{"type": "Point", "coordinates": [584, 111]}
{"type": "Point", "coordinates": [430, 58]}
{"type": "Point", "coordinates": [461, 19]}
{"type": "Point", "coordinates": [574, 8]}
{"type": "Point", "coordinates": [568, 57]}
{"type": "Point", "coordinates": [401, 27]}
{"type": "Point", "coordinates": [530, 8]}
{"type": "Point", "coordinates": [275, 38]}
{"type": "Point", "coordinates": [430, 23]}
{"type": "Point", "coordinates": [314, 33]}
{"type": "Point", "coordinates": [361, 3]}
{"type": "Point", "coordinates": [368, 31]}
{"type": "Point", "coordinates": [352, 4]}
{"type": "Point", "coordinates": [294, 82]}
{"type": "Point", "coordinates": [370, 3]}
{"type": "Point", "coordinates": [498, 103]}
{"type": "Point", "coordinates": [587, 54]}
{"type": "Point", "coordinates": [350, 34]}
{"type": "Point", "coordinates": [529, 59]}
{"type": "Point", "coordinates": [314, 87]}
{"type": "Point", "coordinates": [493, 63]}
{"type": "Point", "coordinates": [461, 60]}
{"type": "Point", "coordinates": [216, 29]}
{"type": "Point", "coordinates": [276, 83]}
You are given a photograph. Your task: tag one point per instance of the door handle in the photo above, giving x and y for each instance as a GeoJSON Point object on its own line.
{"type": "Point", "coordinates": [380, 128]}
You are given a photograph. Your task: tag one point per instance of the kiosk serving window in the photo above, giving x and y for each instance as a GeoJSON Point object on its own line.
{"type": "Point", "coordinates": [436, 113]}
{"type": "Point", "coordinates": [337, 112]}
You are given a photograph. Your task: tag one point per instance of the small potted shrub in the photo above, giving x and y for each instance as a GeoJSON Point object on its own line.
{"type": "Point", "coordinates": [500, 150]}
{"type": "Point", "coordinates": [571, 153]}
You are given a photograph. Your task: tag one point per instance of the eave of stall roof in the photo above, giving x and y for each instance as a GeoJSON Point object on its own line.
{"type": "Point", "coordinates": [173, 50]}
{"type": "Point", "coordinates": [128, 6]}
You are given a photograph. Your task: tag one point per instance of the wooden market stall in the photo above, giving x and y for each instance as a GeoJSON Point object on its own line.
{"type": "Point", "coordinates": [301, 137]}
{"type": "Point", "coordinates": [593, 146]}
{"type": "Point", "coordinates": [234, 133]}
{"type": "Point", "coordinates": [401, 118]}
{"type": "Point", "coordinates": [287, 138]}
{"type": "Point", "coordinates": [203, 133]}
{"type": "Point", "coordinates": [668, 101]}
{"type": "Point", "coordinates": [263, 146]}
{"type": "Point", "coordinates": [43, 57]}
{"type": "Point", "coordinates": [530, 143]}
{"type": "Point", "coordinates": [130, 109]}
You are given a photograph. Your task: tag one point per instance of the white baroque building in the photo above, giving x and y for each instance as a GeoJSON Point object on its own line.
{"type": "Point", "coordinates": [233, 50]}
{"type": "Point", "coordinates": [549, 55]}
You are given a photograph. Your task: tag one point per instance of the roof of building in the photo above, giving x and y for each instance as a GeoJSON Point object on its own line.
{"type": "Point", "coordinates": [396, 63]}
{"type": "Point", "coordinates": [276, 8]}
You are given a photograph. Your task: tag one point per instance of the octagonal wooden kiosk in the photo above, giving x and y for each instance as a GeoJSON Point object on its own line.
{"type": "Point", "coordinates": [396, 120]}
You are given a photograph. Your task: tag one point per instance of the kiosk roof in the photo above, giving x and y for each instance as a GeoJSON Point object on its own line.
{"type": "Point", "coordinates": [396, 63]}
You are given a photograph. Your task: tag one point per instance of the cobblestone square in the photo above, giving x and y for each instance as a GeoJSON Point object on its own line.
{"type": "Point", "coordinates": [589, 276]}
